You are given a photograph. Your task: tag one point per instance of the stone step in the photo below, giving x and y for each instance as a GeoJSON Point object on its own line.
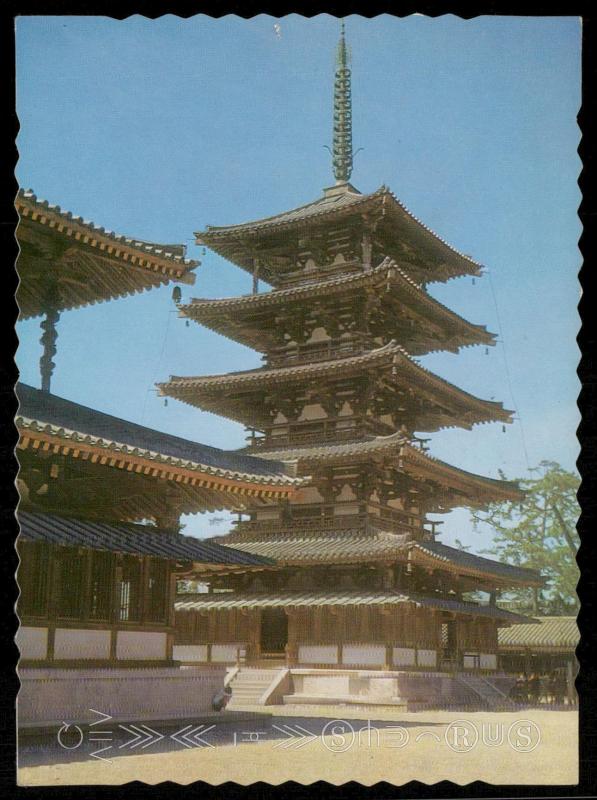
{"type": "Point", "coordinates": [350, 699]}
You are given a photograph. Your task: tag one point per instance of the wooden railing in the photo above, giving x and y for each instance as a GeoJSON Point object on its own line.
{"type": "Point", "coordinates": [397, 521]}
{"type": "Point", "coordinates": [323, 351]}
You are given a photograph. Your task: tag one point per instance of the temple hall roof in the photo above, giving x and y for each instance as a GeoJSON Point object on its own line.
{"type": "Point", "coordinates": [74, 427]}
{"type": "Point", "coordinates": [237, 242]}
{"type": "Point", "coordinates": [214, 392]}
{"type": "Point", "coordinates": [143, 540]}
{"type": "Point", "coordinates": [84, 262]}
{"type": "Point", "coordinates": [554, 633]}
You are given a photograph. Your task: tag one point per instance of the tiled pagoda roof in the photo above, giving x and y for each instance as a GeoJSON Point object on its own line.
{"type": "Point", "coordinates": [554, 633]}
{"type": "Point", "coordinates": [359, 547]}
{"type": "Point", "coordinates": [235, 242]}
{"type": "Point", "coordinates": [123, 537]}
{"type": "Point", "coordinates": [411, 460]}
{"type": "Point", "coordinates": [207, 391]}
{"type": "Point", "coordinates": [75, 429]}
{"type": "Point", "coordinates": [231, 316]}
{"type": "Point", "coordinates": [340, 598]}
{"type": "Point", "coordinates": [90, 263]}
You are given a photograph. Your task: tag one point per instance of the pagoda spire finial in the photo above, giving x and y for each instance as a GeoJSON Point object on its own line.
{"type": "Point", "coordinates": [342, 142]}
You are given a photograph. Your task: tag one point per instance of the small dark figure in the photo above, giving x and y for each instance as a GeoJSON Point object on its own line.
{"type": "Point", "coordinates": [534, 689]}
{"type": "Point", "coordinates": [560, 687]}
{"type": "Point", "coordinates": [221, 699]}
{"type": "Point", "coordinates": [519, 692]}
{"type": "Point", "coordinates": [553, 689]}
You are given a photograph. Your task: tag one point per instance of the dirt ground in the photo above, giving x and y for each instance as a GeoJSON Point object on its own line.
{"type": "Point", "coordinates": [339, 744]}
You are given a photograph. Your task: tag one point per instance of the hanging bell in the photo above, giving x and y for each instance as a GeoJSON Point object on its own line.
{"type": "Point", "coordinates": [503, 429]}
{"type": "Point", "coordinates": [187, 323]}
{"type": "Point", "coordinates": [203, 251]}
{"type": "Point", "coordinates": [165, 401]}
{"type": "Point", "coordinates": [473, 281]}
{"type": "Point", "coordinates": [176, 294]}
{"type": "Point", "coordinates": [487, 351]}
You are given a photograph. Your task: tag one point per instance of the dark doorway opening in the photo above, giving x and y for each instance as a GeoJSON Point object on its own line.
{"type": "Point", "coordinates": [274, 630]}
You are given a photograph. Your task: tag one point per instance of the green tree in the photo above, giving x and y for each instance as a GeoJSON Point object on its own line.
{"type": "Point", "coordinates": [540, 533]}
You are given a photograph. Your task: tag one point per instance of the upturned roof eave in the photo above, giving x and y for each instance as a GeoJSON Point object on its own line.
{"type": "Point", "coordinates": [209, 310]}
{"type": "Point", "coordinates": [177, 385]}
{"type": "Point", "coordinates": [213, 236]}
{"type": "Point", "coordinates": [45, 212]}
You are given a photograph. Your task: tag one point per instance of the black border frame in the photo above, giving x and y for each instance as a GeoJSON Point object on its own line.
{"type": "Point", "coordinates": [587, 371]}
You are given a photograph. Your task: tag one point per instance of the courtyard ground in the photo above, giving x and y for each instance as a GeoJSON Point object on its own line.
{"type": "Point", "coordinates": [310, 743]}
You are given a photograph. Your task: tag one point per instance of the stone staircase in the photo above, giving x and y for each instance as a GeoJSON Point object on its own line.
{"type": "Point", "coordinates": [489, 695]}
{"type": "Point", "coordinates": [249, 685]}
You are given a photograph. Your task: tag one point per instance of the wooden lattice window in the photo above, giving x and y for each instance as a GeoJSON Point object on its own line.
{"type": "Point", "coordinates": [33, 577]}
{"type": "Point", "coordinates": [129, 594]}
{"type": "Point", "coordinates": [157, 590]}
{"type": "Point", "coordinates": [101, 585]}
{"type": "Point", "coordinates": [71, 568]}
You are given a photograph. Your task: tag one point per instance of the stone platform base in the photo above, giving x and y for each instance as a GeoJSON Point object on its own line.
{"type": "Point", "coordinates": [82, 696]}
{"type": "Point", "coordinates": [341, 700]}
{"type": "Point", "coordinates": [412, 690]}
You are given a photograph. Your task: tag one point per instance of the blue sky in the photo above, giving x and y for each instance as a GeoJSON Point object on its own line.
{"type": "Point", "coordinates": [155, 128]}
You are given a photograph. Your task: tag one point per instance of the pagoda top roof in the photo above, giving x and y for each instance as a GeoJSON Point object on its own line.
{"type": "Point", "coordinates": [412, 460]}
{"type": "Point", "coordinates": [221, 314]}
{"type": "Point", "coordinates": [339, 202]}
{"type": "Point", "coordinates": [87, 263]}
{"type": "Point", "coordinates": [78, 426]}
{"type": "Point", "coordinates": [359, 547]}
{"type": "Point", "coordinates": [230, 600]}
{"type": "Point", "coordinates": [390, 354]}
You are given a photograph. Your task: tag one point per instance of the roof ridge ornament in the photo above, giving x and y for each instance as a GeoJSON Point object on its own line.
{"type": "Point", "coordinates": [342, 154]}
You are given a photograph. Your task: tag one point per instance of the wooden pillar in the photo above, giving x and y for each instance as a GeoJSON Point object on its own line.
{"type": "Point", "coordinates": [367, 249]}
{"type": "Point", "coordinates": [48, 342]}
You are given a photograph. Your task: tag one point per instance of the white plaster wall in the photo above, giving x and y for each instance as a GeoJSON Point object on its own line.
{"type": "Point", "coordinates": [308, 495]}
{"type": "Point", "coordinates": [32, 642]}
{"type": "Point", "coordinates": [488, 661]}
{"type": "Point", "coordinates": [317, 654]}
{"type": "Point", "coordinates": [142, 645]}
{"type": "Point", "coordinates": [426, 658]}
{"type": "Point", "coordinates": [318, 335]}
{"type": "Point", "coordinates": [74, 643]}
{"type": "Point", "coordinates": [225, 653]}
{"type": "Point", "coordinates": [346, 410]}
{"type": "Point", "coordinates": [189, 652]}
{"type": "Point", "coordinates": [469, 661]}
{"type": "Point", "coordinates": [396, 503]}
{"type": "Point", "coordinates": [366, 654]}
{"type": "Point", "coordinates": [311, 412]}
{"type": "Point", "coordinates": [403, 656]}
{"type": "Point", "coordinates": [346, 495]}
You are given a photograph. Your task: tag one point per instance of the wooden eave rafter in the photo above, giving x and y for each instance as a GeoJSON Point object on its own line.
{"type": "Point", "coordinates": [242, 318]}
{"type": "Point", "coordinates": [41, 441]}
{"type": "Point", "coordinates": [233, 395]}
{"type": "Point", "coordinates": [449, 262]}
{"type": "Point", "coordinates": [89, 264]}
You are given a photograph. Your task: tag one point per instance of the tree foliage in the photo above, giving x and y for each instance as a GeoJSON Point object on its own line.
{"type": "Point", "coordinates": [540, 533]}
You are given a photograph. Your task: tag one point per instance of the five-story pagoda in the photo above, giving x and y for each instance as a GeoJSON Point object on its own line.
{"type": "Point", "coordinates": [360, 580]}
